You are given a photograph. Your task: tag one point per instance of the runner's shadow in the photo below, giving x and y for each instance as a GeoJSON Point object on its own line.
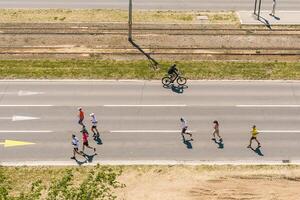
{"type": "Point", "coordinates": [98, 140]}
{"type": "Point", "coordinates": [257, 151]}
{"type": "Point", "coordinates": [187, 143]}
{"type": "Point", "coordinates": [265, 21]}
{"type": "Point", "coordinates": [79, 162]}
{"type": "Point", "coordinates": [219, 143]}
{"type": "Point", "coordinates": [179, 89]}
{"type": "Point", "coordinates": [89, 158]}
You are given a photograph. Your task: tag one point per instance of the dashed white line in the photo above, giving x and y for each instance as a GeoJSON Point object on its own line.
{"type": "Point", "coordinates": [147, 131]}
{"type": "Point", "coordinates": [145, 105]}
{"type": "Point", "coordinates": [269, 106]}
{"type": "Point", "coordinates": [25, 131]}
{"type": "Point", "coordinates": [18, 105]}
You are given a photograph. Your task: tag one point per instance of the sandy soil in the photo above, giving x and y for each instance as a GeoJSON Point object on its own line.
{"type": "Point", "coordinates": [183, 183]}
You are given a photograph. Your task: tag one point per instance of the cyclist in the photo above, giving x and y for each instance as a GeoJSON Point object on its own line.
{"type": "Point", "coordinates": [173, 72]}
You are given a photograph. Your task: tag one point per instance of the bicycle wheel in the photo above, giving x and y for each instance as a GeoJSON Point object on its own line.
{"type": "Point", "coordinates": [166, 81]}
{"type": "Point", "coordinates": [181, 80]}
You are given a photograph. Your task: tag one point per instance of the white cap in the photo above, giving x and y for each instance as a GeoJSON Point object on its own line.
{"type": "Point", "coordinates": [92, 114]}
{"type": "Point", "coordinates": [79, 108]}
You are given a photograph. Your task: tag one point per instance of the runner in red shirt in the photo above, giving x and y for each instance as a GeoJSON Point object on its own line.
{"type": "Point", "coordinates": [85, 141]}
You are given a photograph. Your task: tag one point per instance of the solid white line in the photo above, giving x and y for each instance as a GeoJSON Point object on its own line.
{"type": "Point", "coordinates": [268, 106]}
{"type": "Point", "coordinates": [279, 131]}
{"type": "Point", "coordinates": [25, 131]}
{"type": "Point", "coordinates": [147, 131]}
{"type": "Point", "coordinates": [150, 162]}
{"type": "Point", "coordinates": [26, 105]}
{"type": "Point", "coordinates": [144, 105]}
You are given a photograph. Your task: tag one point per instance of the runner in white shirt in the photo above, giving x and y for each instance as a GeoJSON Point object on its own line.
{"type": "Point", "coordinates": [75, 144]}
{"type": "Point", "coordinates": [94, 125]}
{"type": "Point", "coordinates": [184, 127]}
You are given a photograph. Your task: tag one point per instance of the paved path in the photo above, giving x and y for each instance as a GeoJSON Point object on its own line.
{"type": "Point", "coordinates": [149, 131]}
{"type": "Point", "coordinates": [281, 18]}
{"type": "Point", "coordinates": [154, 4]}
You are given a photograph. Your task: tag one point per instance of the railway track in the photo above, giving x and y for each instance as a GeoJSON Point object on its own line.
{"type": "Point", "coordinates": [166, 31]}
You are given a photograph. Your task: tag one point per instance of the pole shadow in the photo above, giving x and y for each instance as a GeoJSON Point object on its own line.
{"type": "Point", "coordinates": [187, 143]}
{"type": "Point", "coordinates": [257, 151]}
{"type": "Point", "coordinates": [265, 22]}
{"type": "Point", "coordinates": [179, 89]}
{"type": "Point", "coordinates": [153, 63]}
{"type": "Point", "coordinates": [219, 143]}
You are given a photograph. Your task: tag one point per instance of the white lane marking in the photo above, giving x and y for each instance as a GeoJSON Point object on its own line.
{"type": "Point", "coordinates": [19, 118]}
{"type": "Point", "coordinates": [147, 131]}
{"type": "Point", "coordinates": [279, 131]}
{"type": "Point", "coordinates": [269, 106]}
{"type": "Point", "coordinates": [150, 162]}
{"type": "Point", "coordinates": [26, 105]}
{"type": "Point", "coordinates": [144, 105]}
{"type": "Point", "coordinates": [21, 93]}
{"type": "Point", "coordinates": [25, 131]}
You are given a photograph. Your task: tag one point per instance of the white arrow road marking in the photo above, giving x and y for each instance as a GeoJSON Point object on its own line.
{"type": "Point", "coordinates": [25, 131]}
{"type": "Point", "coordinates": [19, 118]}
{"type": "Point", "coordinates": [22, 93]}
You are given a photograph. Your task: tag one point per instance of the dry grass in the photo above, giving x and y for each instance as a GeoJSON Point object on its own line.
{"type": "Point", "coordinates": [182, 182]}
{"type": "Point", "coordinates": [106, 15]}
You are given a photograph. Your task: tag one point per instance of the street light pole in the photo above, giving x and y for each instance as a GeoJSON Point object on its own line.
{"type": "Point", "coordinates": [130, 21]}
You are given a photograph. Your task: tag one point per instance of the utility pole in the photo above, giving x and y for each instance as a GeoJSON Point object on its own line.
{"type": "Point", "coordinates": [130, 21]}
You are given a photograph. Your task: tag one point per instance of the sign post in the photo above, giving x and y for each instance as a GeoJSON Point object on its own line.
{"type": "Point", "coordinates": [130, 21]}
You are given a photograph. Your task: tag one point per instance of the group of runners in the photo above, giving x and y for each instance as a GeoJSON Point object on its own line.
{"type": "Point", "coordinates": [184, 131]}
{"type": "Point", "coordinates": [216, 132]}
{"type": "Point", "coordinates": [85, 135]}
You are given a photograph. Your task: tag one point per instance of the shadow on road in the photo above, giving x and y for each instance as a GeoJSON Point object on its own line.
{"type": "Point", "coordinates": [187, 143]}
{"type": "Point", "coordinates": [179, 89]}
{"type": "Point", "coordinates": [257, 151]}
{"type": "Point", "coordinates": [98, 140]}
{"type": "Point", "coordinates": [219, 143]}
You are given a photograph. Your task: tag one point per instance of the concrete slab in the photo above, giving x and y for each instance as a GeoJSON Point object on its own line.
{"type": "Point", "coordinates": [281, 18]}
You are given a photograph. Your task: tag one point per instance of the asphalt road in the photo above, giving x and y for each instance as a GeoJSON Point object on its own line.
{"type": "Point", "coordinates": [148, 130]}
{"type": "Point", "coordinates": [154, 4]}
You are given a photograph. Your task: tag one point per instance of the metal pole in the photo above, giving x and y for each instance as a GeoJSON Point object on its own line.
{"type": "Point", "coordinates": [130, 21]}
{"type": "Point", "coordinates": [258, 16]}
{"type": "Point", "coordinates": [255, 6]}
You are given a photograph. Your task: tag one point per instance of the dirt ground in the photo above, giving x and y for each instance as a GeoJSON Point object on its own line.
{"type": "Point", "coordinates": [189, 183]}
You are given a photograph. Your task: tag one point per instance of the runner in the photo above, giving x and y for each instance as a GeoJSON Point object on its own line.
{"type": "Point", "coordinates": [94, 126]}
{"type": "Point", "coordinates": [85, 141]}
{"type": "Point", "coordinates": [75, 143]}
{"type": "Point", "coordinates": [254, 133]}
{"type": "Point", "coordinates": [216, 131]}
{"type": "Point", "coordinates": [184, 127]}
{"type": "Point", "coordinates": [80, 116]}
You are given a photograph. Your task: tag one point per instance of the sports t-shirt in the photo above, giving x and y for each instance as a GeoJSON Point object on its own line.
{"type": "Point", "coordinates": [254, 132]}
{"type": "Point", "coordinates": [84, 137]}
{"type": "Point", "coordinates": [75, 142]}
{"type": "Point", "coordinates": [94, 121]}
{"type": "Point", "coordinates": [183, 124]}
{"type": "Point", "coordinates": [81, 114]}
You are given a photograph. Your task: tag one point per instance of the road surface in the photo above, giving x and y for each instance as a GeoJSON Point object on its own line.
{"type": "Point", "coordinates": [154, 4]}
{"type": "Point", "coordinates": [139, 120]}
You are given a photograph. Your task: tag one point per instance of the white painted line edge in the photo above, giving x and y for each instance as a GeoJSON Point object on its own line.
{"type": "Point", "coordinates": [268, 106]}
{"type": "Point", "coordinates": [279, 131]}
{"type": "Point", "coordinates": [147, 131]}
{"type": "Point", "coordinates": [26, 105]}
{"type": "Point", "coordinates": [148, 162]}
{"type": "Point", "coordinates": [25, 131]}
{"type": "Point", "coordinates": [144, 105]}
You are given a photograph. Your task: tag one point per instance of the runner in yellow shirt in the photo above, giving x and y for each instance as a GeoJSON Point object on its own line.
{"type": "Point", "coordinates": [254, 133]}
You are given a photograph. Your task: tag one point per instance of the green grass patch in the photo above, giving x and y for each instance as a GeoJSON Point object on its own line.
{"type": "Point", "coordinates": [109, 69]}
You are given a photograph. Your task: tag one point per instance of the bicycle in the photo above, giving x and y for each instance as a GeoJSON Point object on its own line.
{"type": "Point", "coordinates": [167, 80]}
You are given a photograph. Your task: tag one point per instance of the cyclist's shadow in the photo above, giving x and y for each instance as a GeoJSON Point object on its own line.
{"type": "Point", "coordinates": [179, 89]}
